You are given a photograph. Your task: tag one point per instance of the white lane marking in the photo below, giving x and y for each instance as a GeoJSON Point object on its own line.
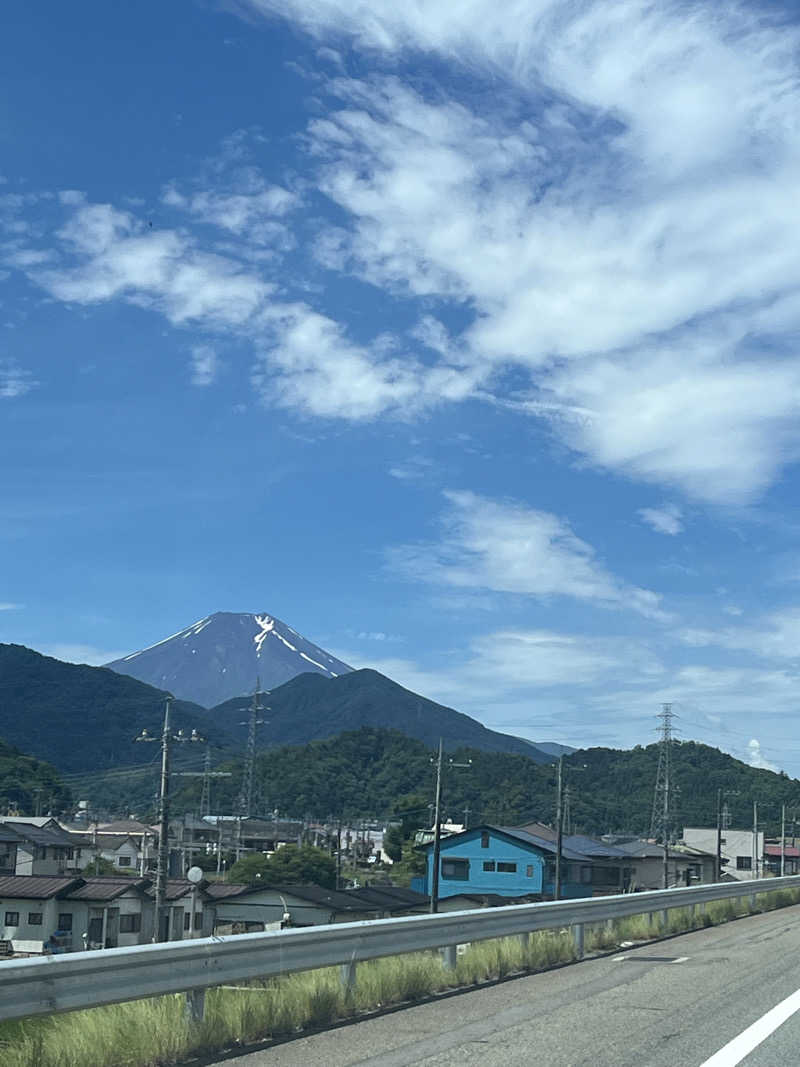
{"type": "Point", "coordinates": [618, 959]}
{"type": "Point", "coordinates": [735, 1051]}
{"type": "Point", "coordinates": [681, 959]}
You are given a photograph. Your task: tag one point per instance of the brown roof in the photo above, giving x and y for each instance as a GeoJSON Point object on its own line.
{"type": "Point", "coordinates": [108, 888]}
{"type": "Point", "coordinates": [36, 887]}
{"type": "Point", "coordinates": [220, 890]}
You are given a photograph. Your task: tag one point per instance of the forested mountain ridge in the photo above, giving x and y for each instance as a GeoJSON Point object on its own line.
{"type": "Point", "coordinates": [311, 707]}
{"type": "Point", "coordinates": [374, 772]}
{"type": "Point", "coordinates": [84, 718]}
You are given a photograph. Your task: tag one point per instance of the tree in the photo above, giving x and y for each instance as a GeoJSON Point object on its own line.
{"type": "Point", "coordinates": [100, 866]}
{"type": "Point", "coordinates": [290, 865]}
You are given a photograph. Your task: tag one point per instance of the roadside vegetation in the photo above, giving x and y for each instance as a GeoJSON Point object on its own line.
{"type": "Point", "coordinates": [155, 1032]}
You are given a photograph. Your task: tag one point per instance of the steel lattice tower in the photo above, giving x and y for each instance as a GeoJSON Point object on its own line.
{"type": "Point", "coordinates": [246, 795]}
{"type": "Point", "coordinates": [663, 816]}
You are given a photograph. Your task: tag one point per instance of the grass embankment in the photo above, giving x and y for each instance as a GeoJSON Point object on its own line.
{"type": "Point", "coordinates": [148, 1032]}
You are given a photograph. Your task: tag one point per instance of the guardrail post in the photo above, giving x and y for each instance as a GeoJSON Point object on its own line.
{"type": "Point", "coordinates": [524, 940]}
{"type": "Point", "coordinates": [347, 976]}
{"type": "Point", "coordinates": [665, 919]}
{"type": "Point", "coordinates": [577, 937]}
{"type": "Point", "coordinates": [195, 1005]}
{"type": "Point", "coordinates": [449, 956]}
{"type": "Point", "coordinates": [752, 902]}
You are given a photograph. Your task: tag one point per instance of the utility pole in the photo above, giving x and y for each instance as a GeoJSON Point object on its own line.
{"type": "Point", "coordinates": [161, 925]}
{"type": "Point", "coordinates": [467, 814]}
{"type": "Point", "coordinates": [755, 839]}
{"type": "Point", "coordinates": [663, 802]}
{"type": "Point", "coordinates": [437, 833]}
{"type": "Point", "coordinates": [783, 839]}
{"type": "Point", "coordinates": [437, 826]}
{"type": "Point", "coordinates": [559, 825]}
{"type": "Point", "coordinates": [567, 811]}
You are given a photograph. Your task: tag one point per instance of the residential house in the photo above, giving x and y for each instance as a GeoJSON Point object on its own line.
{"type": "Point", "coordinates": [123, 850]}
{"type": "Point", "coordinates": [243, 908]}
{"type": "Point", "coordinates": [772, 858]}
{"type": "Point", "coordinates": [685, 865]}
{"type": "Point", "coordinates": [742, 850]}
{"type": "Point", "coordinates": [192, 910]}
{"type": "Point", "coordinates": [514, 863]}
{"type": "Point", "coordinates": [39, 846]}
{"type": "Point", "coordinates": [33, 909]}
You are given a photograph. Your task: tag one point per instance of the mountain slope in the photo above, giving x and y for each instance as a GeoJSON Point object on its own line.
{"type": "Point", "coordinates": [311, 707]}
{"type": "Point", "coordinates": [84, 718]}
{"type": "Point", "coordinates": [223, 655]}
{"type": "Point", "coordinates": [373, 771]}
{"type": "Point", "coordinates": [24, 781]}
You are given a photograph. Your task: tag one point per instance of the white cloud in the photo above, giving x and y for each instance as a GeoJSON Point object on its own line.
{"type": "Point", "coordinates": [107, 254]}
{"type": "Point", "coordinates": [666, 520]}
{"type": "Point", "coordinates": [625, 205]}
{"type": "Point", "coordinates": [205, 365]}
{"type": "Point", "coordinates": [6, 605]}
{"type": "Point", "coordinates": [250, 211]}
{"type": "Point", "coordinates": [756, 758]}
{"type": "Point", "coordinates": [775, 636]}
{"type": "Point", "coordinates": [14, 379]}
{"type": "Point", "coordinates": [510, 548]}
{"type": "Point", "coordinates": [312, 366]}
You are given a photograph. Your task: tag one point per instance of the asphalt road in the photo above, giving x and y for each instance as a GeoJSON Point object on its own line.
{"type": "Point", "coordinates": [675, 1003]}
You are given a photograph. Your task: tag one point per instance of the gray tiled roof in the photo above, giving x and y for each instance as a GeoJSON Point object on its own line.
{"type": "Point", "coordinates": [36, 887]}
{"type": "Point", "coordinates": [107, 888]}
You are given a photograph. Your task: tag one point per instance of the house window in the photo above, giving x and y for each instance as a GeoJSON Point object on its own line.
{"type": "Point", "coordinates": [455, 869]}
{"type": "Point", "coordinates": [12, 918]}
{"type": "Point", "coordinates": [484, 840]}
{"type": "Point", "coordinates": [65, 922]}
{"type": "Point", "coordinates": [34, 918]}
{"type": "Point", "coordinates": [586, 875]}
{"type": "Point", "coordinates": [744, 863]}
{"type": "Point", "coordinates": [488, 865]}
{"type": "Point", "coordinates": [507, 868]}
{"type": "Point", "coordinates": [187, 920]}
{"type": "Point", "coordinates": [123, 861]}
{"type": "Point", "coordinates": [529, 871]}
{"type": "Point", "coordinates": [130, 924]}
{"type": "Point", "coordinates": [198, 920]}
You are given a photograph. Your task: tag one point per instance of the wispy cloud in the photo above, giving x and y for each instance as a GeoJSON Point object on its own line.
{"type": "Point", "coordinates": [618, 227]}
{"type": "Point", "coordinates": [6, 605]}
{"type": "Point", "coordinates": [666, 520]}
{"type": "Point", "coordinates": [78, 653]}
{"type": "Point", "coordinates": [774, 636]}
{"type": "Point", "coordinates": [510, 548]}
{"type": "Point", "coordinates": [14, 379]}
{"type": "Point", "coordinates": [205, 365]}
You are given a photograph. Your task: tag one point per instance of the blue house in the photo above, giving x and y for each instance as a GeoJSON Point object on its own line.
{"type": "Point", "coordinates": [510, 862]}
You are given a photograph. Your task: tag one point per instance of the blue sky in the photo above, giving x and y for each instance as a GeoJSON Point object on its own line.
{"type": "Point", "coordinates": [464, 340]}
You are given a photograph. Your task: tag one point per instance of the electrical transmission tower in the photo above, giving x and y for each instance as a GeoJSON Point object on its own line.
{"type": "Point", "coordinates": [663, 817]}
{"type": "Point", "coordinates": [246, 795]}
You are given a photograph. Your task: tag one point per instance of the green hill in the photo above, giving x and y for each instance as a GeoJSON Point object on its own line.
{"type": "Point", "coordinates": [24, 781]}
{"type": "Point", "coordinates": [84, 718]}
{"type": "Point", "coordinates": [373, 771]}
{"type": "Point", "coordinates": [311, 707]}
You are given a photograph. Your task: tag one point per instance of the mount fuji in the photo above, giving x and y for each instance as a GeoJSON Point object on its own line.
{"type": "Point", "coordinates": [223, 655]}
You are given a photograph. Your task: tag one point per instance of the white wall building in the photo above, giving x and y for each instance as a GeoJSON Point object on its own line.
{"type": "Point", "coordinates": [742, 850]}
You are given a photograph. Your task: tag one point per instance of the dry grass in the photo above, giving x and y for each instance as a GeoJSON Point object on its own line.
{"type": "Point", "coordinates": [146, 1033]}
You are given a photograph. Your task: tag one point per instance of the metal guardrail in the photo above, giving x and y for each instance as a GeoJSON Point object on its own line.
{"type": "Point", "coordinates": [90, 979]}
